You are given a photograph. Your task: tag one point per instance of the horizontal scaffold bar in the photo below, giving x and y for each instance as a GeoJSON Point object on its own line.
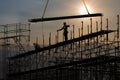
{"type": "Point", "coordinates": [65, 17]}
{"type": "Point", "coordinates": [12, 37]}
{"type": "Point", "coordinates": [95, 61]}
{"type": "Point", "coordinates": [64, 43]}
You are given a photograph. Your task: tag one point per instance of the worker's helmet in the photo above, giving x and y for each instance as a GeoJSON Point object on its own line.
{"type": "Point", "coordinates": [64, 23]}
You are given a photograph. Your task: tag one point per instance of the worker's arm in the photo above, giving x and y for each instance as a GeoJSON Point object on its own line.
{"type": "Point", "coordinates": [60, 29]}
{"type": "Point", "coordinates": [67, 25]}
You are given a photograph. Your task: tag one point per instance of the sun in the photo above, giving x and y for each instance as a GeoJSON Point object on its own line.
{"type": "Point", "coordinates": [84, 11]}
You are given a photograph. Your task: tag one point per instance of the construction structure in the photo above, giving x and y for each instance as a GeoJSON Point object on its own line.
{"type": "Point", "coordinates": [93, 56]}
{"type": "Point", "coordinates": [14, 39]}
{"type": "Point", "coordinates": [15, 34]}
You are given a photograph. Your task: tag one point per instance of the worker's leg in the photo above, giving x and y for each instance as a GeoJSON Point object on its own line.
{"type": "Point", "coordinates": [66, 37]}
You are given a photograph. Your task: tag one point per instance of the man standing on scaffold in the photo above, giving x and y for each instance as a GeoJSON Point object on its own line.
{"type": "Point", "coordinates": [65, 32]}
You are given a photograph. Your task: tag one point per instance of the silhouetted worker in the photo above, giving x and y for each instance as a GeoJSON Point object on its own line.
{"type": "Point", "coordinates": [36, 46]}
{"type": "Point", "coordinates": [65, 32]}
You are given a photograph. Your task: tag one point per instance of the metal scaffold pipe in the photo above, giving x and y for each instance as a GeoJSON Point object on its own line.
{"type": "Point", "coordinates": [118, 26]}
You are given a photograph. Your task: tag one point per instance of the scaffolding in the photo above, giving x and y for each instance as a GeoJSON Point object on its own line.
{"type": "Point", "coordinates": [14, 40]}
{"type": "Point", "coordinates": [17, 35]}
{"type": "Point", "coordinates": [92, 56]}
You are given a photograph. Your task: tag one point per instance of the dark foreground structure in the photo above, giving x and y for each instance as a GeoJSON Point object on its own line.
{"type": "Point", "coordinates": [71, 60]}
{"type": "Point", "coordinates": [89, 57]}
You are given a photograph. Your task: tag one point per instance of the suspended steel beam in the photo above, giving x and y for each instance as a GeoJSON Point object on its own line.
{"type": "Point", "coordinates": [65, 17]}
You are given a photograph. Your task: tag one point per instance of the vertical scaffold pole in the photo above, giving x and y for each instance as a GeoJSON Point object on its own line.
{"type": "Point", "coordinates": [88, 34]}
{"type": "Point", "coordinates": [107, 38]}
{"type": "Point", "coordinates": [73, 31]}
{"type": "Point", "coordinates": [57, 36]}
{"type": "Point", "coordinates": [97, 38]}
{"type": "Point", "coordinates": [101, 29]}
{"type": "Point", "coordinates": [117, 27]}
{"type": "Point", "coordinates": [49, 39]}
{"type": "Point", "coordinates": [71, 38]}
{"type": "Point", "coordinates": [101, 24]}
{"type": "Point", "coordinates": [29, 33]}
{"type": "Point", "coordinates": [49, 44]}
{"type": "Point", "coordinates": [56, 40]}
{"type": "Point", "coordinates": [107, 29]}
{"type": "Point", "coordinates": [97, 30]}
{"type": "Point", "coordinates": [82, 41]}
{"type": "Point", "coordinates": [82, 29]}
{"type": "Point", "coordinates": [91, 33]}
{"type": "Point", "coordinates": [91, 24]}
{"type": "Point", "coordinates": [43, 40]}
{"type": "Point", "coordinates": [118, 32]}
{"type": "Point", "coordinates": [79, 36]}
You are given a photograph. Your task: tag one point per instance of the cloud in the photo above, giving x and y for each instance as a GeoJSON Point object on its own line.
{"type": "Point", "coordinates": [21, 9]}
{"type": "Point", "coordinates": [26, 9]}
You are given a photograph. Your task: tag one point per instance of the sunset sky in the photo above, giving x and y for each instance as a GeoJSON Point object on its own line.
{"type": "Point", "coordinates": [14, 11]}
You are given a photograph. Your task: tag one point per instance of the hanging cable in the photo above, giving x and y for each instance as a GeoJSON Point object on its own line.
{"type": "Point", "coordinates": [86, 7]}
{"type": "Point", "coordinates": [42, 2]}
{"type": "Point", "coordinates": [42, 18]}
{"type": "Point", "coordinates": [45, 8]}
{"type": "Point", "coordinates": [41, 7]}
